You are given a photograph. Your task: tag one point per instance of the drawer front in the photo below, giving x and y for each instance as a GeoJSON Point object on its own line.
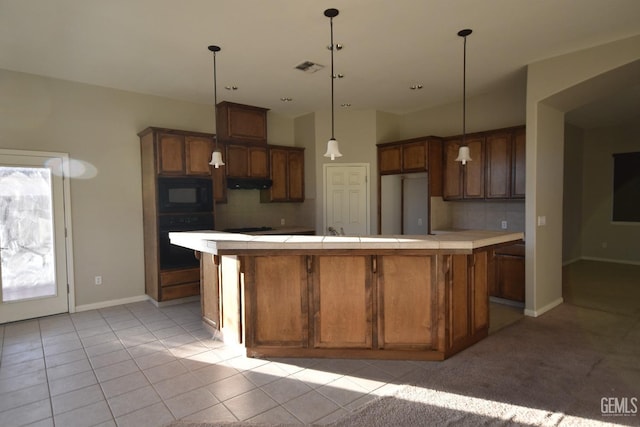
{"type": "Point", "coordinates": [177, 277]}
{"type": "Point", "coordinates": [180, 291]}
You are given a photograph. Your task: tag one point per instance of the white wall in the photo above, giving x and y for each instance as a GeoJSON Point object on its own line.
{"type": "Point", "coordinates": [572, 203]}
{"type": "Point", "coordinates": [554, 86]}
{"type": "Point", "coordinates": [99, 126]}
{"type": "Point", "coordinates": [601, 238]}
{"type": "Point", "coordinates": [355, 131]}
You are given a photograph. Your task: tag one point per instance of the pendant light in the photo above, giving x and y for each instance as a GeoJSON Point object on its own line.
{"type": "Point", "coordinates": [332, 145]}
{"type": "Point", "coordinates": [216, 156]}
{"type": "Point", "coordinates": [463, 152]}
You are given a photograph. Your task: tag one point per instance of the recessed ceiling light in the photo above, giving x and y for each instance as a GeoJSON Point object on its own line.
{"type": "Point", "coordinates": [286, 99]}
{"type": "Point", "coordinates": [416, 86]}
{"type": "Point", "coordinates": [231, 87]}
{"type": "Point", "coordinates": [346, 105]}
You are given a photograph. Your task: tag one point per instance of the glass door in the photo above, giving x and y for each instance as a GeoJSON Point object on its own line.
{"type": "Point", "coordinates": [33, 246]}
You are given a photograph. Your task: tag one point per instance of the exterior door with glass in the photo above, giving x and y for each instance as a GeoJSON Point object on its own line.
{"type": "Point", "coordinates": [34, 249]}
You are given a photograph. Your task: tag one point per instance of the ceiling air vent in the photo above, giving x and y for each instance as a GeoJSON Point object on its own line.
{"type": "Point", "coordinates": [309, 67]}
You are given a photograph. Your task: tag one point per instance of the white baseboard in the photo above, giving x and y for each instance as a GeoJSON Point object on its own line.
{"type": "Point", "coordinates": [617, 261]}
{"type": "Point", "coordinates": [571, 261]}
{"type": "Point", "coordinates": [111, 303]}
{"type": "Point", "coordinates": [542, 310]}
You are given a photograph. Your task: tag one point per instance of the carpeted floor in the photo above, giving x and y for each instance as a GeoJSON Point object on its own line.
{"type": "Point", "coordinates": [547, 371]}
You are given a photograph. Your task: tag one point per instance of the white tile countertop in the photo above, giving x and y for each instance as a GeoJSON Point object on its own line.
{"type": "Point", "coordinates": [214, 241]}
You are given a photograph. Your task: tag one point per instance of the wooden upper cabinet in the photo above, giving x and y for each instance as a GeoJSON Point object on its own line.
{"type": "Point", "coordinates": [473, 171]}
{"type": "Point", "coordinates": [389, 159]}
{"type": "Point", "coordinates": [246, 161]}
{"type": "Point", "coordinates": [219, 183]}
{"type": "Point", "coordinates": [241, 123]}
{"type": "Point", "coordinates": [464, 182]}
{"type": "Point", "coordinates": [498, 179]}
{"type": "Point", "coordinates": [506, 162]}
{"type": "Point", "coordinates": [452, 186]}
{"type": "Point", "coordinates": [286, 165]}
{"type": "Point", "coordinates": [403, 157]}
{"type": "Point", "coordinates": [295, 162]}
{"type": "Point", "coordinates": [197, 155]}
{"type": "Point", "coordinates": [171, 154]}
{"type": "Point", "coordinates": [180, 154]}
{"type": "Point", "coordinates": [415, 157]}
{"type": "Point", "coordinates": [258, 162]}
{"type": "Point", "coordinates": [519, 163]}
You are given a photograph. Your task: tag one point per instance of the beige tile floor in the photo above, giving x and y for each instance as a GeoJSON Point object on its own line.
{"type": "Point", "coordinates": [139, 365]}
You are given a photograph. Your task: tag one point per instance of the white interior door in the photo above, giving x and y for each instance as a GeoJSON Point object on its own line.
{"type": "Point", "coordinates": [33, 235]}
{"type": "Point", "coordinates": [346, 199]}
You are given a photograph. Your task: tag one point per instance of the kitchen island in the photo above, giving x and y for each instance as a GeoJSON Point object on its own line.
{"type": "Point", "coordinates": [379, 297]}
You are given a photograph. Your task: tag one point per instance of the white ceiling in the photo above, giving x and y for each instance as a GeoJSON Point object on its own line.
{"type": "Point", "coordinates": [159, 47]}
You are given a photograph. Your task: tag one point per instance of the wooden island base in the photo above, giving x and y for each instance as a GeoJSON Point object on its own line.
{"type": "Point", "coordinates": [376, 297]}
{"type": "Point", "coordinates": [422, 306]}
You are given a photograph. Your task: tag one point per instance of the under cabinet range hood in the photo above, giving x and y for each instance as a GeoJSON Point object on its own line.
{"type": "Point", "coordinates": [248, 183]}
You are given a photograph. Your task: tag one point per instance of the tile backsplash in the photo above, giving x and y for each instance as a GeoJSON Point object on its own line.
{"type": "Point", "coordinates": [485, 215]}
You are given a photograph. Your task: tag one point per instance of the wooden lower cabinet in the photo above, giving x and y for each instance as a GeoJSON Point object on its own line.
{"type": "Point", "coordinates": [179, 283]}
{"type": "Point", "coordinates": [385, 306]}
{"type": "Point", "coordinates": [507, 280]}
{"type": "Point", "coordinates": [278, 305]}
{"type": "Point", "coordinates": [406, 290]}
{"type": "Point", "coordinates": [342, 302]}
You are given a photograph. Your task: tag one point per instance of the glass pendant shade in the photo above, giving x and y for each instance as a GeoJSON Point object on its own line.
{"type": "Point", "coordinates": [463, 155]}
{"type": "Point", "coordinates": [332, 149]}
{"type": "Point", "coordinates": [216, 159]}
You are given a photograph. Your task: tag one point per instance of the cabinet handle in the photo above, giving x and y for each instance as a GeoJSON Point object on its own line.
{"type": "Point", "coordinates": [309, 264]}
{"type": "Point", "coordinates": [374, 264]}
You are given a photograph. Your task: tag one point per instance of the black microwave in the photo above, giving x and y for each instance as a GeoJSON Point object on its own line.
{"type": "Point", "coordinates": [185, 195]}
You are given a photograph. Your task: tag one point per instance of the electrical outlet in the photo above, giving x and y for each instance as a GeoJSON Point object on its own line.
{"type": "Point", "coordinates": [98, 280]}
{"type": "Point", "coordinates": [419, 221]}
{"type": "Point", "coordinates": [542, 221]}
{"type": "Point", "coordinates": [503, 225]}
{"type": "Point", "coordinates": [281, 221]}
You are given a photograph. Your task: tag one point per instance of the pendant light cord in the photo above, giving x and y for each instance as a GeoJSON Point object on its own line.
{"type": "Point", "coordinates": [215, 99]}
{"type": "Point", "coordinates": [332, 82]}
{"type": "Point", "coordinates": [464, 93]}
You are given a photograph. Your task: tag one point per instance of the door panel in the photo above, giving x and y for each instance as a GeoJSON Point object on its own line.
{"type": "Point", "coordinates": [347, 199]}
{"type": "Point", "coordinates": [33, 246]}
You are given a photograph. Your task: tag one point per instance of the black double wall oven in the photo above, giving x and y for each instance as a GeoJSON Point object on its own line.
{"type": "Point", "coordinates": [184, 204]}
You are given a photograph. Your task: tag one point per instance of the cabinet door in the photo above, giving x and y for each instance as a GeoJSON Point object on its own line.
{"type": "Point", "coordinates": [258, 164]}
{"type": "Point", "coordinates": [342, 302]}
{"type": "Point", "coordinates": [237, 161]}
{"type": "Point", "coordinates": [389, 160]}
{"type": "Point", "coordinates": [498, 179]}
{"type": "Point", "coordinates": [510, 277]}
{"type": "Point", "coordinates": [473, 182]}
{"type": "Point", "coordinates": [197, 155]}
{"type": "Point", "coordinates": [239, 122]}
{"type": "Point", "coordinates": [296, 175]}
{"type": "Point", "coordinates": [414, 157]}
{"type": "Point", "coordinates": [279, 176]}
{"type": "Point", "coordinates": [519, 164]}
{"type": "Point", "coordinates": [406, 301]}
{"type": "Point", "coordinates": [171, 154]}
{"type": "Point", "coordinates": [219, 184]}
{"type": "Point", "coordinates": [277, 301]}
{"type": "Point", "coordinates": [452, 186]}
